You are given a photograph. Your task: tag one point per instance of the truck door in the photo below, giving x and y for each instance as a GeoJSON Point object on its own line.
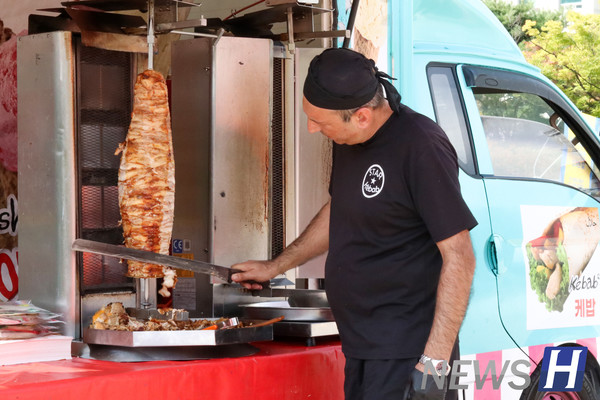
{"type": "Point", "coordinates": [538, 161]}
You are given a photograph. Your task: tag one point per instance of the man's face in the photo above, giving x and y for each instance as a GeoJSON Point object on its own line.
{"type": "Point", "coordinates": [329, 123]}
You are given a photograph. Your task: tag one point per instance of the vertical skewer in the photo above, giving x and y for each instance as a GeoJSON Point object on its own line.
{"type": "Point", "coordinates": [143, 286]}
{"type": "Point", "coordinates": [150, 37]}
{"type": "Point", "coordinates": [145, 293]}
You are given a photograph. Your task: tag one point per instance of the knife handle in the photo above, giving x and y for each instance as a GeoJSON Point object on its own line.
{"type": "Point", "coordinates": [265, 285]}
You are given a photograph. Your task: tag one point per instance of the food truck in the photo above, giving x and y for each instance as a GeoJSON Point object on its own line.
{"type": "Point", "coordinates": [249, 177]}
{"type": "Point", "coordinates": [528, 172]}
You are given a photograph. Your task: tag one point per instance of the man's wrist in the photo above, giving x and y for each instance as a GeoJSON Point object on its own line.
{"type": "Point", "coordinates": [278, 266]}
{"type": "Point", "coordinates": [440, 367]}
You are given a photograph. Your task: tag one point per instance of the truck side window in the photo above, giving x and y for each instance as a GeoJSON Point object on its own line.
{"type": "Point", "coordinates": [449, 113]}
{"type": "Point", "coordinates": [527, 139]}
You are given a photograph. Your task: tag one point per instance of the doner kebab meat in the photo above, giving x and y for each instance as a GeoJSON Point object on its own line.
{"type": "Point", "coordinates": [562, 253]}
{"type": "Point", "coordinates": [147, 178]}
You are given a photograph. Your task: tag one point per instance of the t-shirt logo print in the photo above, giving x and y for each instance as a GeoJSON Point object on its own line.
{"type": "Point", "coordinates": [373, 181]}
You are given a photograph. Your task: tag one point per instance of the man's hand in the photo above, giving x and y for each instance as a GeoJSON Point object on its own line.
{"type": "Point", "coordinates": [421, 368]}
{"type": "Point", "coordinates": [258, 271]}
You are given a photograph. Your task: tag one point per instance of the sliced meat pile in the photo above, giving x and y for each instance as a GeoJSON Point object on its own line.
{"type": "Point", "coordinates": [114, 317]}
{"type": "Point", "coordinates": [147, 177]}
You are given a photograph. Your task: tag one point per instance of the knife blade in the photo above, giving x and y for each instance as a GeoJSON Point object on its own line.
{"type": "Point", "coordinates": [112, 250]}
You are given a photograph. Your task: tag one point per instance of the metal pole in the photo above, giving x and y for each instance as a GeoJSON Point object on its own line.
{"type": "Point", "coordinates": [150, 34]}
{"type": "Point", "coordinates": [351, 19]}
{"type": "Point", "coordinates": [195, 34]}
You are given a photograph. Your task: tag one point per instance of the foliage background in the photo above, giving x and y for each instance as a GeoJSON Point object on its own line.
{"type": "Point", "coordinates": [565, 46]}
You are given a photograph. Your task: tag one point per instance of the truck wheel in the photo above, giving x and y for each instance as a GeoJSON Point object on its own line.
{"type": "Point", "coordinates": [589, 391]}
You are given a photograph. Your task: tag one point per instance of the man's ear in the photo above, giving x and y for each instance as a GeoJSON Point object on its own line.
{"type": "Point", "coordinates": [363, 117]}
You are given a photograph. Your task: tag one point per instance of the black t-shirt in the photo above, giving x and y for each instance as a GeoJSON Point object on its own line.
{"type": "Point", "coordinates": [392, 198]}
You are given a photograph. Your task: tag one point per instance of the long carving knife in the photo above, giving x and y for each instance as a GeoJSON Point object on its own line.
{"type": "Point", "coordinates": [112, 250]}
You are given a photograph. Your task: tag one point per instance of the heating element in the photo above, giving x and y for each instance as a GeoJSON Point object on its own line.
{"type": "Point", "coordinates": [78, 103]}
{"type": "Point", "coordinates": [104, 81]}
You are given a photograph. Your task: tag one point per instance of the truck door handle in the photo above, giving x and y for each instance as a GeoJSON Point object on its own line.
{"type": "Point", "coordinates": [494, 254]}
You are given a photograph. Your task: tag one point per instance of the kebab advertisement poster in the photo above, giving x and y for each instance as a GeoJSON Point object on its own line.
{"type": "Point", "coordinates": [8, 162]}
{"type": "Point", "coordinates": [562, 266]}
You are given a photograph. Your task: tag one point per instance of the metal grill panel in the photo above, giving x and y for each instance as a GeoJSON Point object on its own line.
{"type": "Point", "coordinates": [104, 83]}
{"type": "Point", "coordinates": [278, 161]}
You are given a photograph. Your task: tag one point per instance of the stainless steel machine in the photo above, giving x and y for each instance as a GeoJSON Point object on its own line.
{"type": "Point", "coordinates": [248, 176]}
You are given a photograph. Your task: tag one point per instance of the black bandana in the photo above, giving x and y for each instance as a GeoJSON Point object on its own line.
{"type": "Point", "coordinates": [342, 79]}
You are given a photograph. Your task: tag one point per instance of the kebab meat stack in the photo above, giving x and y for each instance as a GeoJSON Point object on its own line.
{"type": "Point", "coordinates": [147, 178]}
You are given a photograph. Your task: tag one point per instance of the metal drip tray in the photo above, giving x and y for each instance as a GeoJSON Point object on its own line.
{"type": "Point", "coordinates": [178, 338]}
{"type": "Point", "coordinates": [299, 322]}
{"type": "Point", "coordinates": [180, 353]}
{"type": "Point", "coordinates": [272, 309]}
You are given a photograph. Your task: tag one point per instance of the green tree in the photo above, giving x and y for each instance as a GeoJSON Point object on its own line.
{"type": "Point", "coordinates": [513, 16]}
{"type": "Point", "coordinates": [569, 56]}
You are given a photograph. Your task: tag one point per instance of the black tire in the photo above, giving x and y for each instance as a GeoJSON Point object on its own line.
{"type": "Point", "coordinates": [589, 391]}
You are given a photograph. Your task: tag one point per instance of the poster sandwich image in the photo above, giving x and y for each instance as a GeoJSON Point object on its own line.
{"type": "Point", "coordinates": [561, 252]}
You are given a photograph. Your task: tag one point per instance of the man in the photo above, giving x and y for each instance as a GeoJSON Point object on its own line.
{"type": "Point", "coordinates": [396, 225]}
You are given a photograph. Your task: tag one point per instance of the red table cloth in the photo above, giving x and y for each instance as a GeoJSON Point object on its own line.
{"type": "Point", "coordinates": [279, 371]}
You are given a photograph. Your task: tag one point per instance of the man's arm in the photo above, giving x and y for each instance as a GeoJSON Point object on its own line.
{"type": "Point", "coordinates": [452, 295]}
{"type": "Point", "coordinates": [312, 242]}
